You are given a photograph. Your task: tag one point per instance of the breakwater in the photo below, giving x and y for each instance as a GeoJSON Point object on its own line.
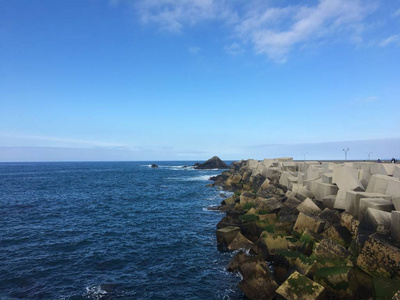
{"type": "Point", "coordinates": [311, 230]}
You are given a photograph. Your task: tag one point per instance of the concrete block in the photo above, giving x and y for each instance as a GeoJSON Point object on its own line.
{"type": "Point", "coordinates": [287, 166]}
{"type": "Point", "coordinates": [380, 257]}
{"type": "Point", "coordinates": [396, 171]}
{"type": "Point", "coordinates": [307, 164]}
{"type": "Point", "coordinates": [376, 221]}
{"type": "Point", "coordinates": [269, 172]}
{"type": "Point", "coordinates": [379, 183]}
{"type": "Point", "coordinates": [346, 179]}
{"type": "Point", "coordinates": [396, 226]}
{"type": "Point", "coordinates": [283, 159]}
{"type": "Point", "coordinates": [325, 189]}
{"type": "Point", "coordinates": [328, 166]}
{"type": "Point", "coordinates": [227, 234]}
{"type": "Point", "coordinates": [284, 178]}
{"type": "Point", "coordinates": [340, 201]}
{"type": "Point", "coordinates": [312, 185]}
{"type": "Point", "coordinates": [304, 222]}
{"type": "Point", "coordinates": [377, 203]}
{"type": "Point", "coordinates": [298, 286]}
{"type": "Point", "coordinates": [389, 168]}
{"type": "Point", "coordinates": [314, 172]}
{"type": "Point", "coordinates": [353, 200]}
{"type": "Point", "coordinates": [393, 188]}
{"type": "Point", "coordinates": [303, 193]}
{"type": "Point", "coordinates": [327, 178]}
{"type": "Point", "coordinates": [308, 207]}
{"type": "Point", "coordinates": [329, 201]}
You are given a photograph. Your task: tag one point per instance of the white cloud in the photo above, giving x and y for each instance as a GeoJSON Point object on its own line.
{"type": "Point", "coordinates": [271, 30]}
{"type": "Point", "coordinates": [234, 49]}
{"type": "Point", "coordinates": [194, 50]}
{"type": "Point", "coordinates": [393, 39]}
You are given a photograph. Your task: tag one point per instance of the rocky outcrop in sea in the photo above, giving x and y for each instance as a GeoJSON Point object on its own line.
{"type": "Point", "coordinates": [311, 230]}
{"type": "Point", "coordinates": [213, 163]}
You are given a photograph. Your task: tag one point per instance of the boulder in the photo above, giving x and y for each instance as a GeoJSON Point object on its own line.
{"type": "Point", "coordinates": [213, 163]}
{"type": "Point", "coordinates": [298, 286]}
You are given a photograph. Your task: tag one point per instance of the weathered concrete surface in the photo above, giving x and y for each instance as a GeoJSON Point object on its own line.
{"type": "Point", "coordinates": [353, 200]}
{"type": "Point", "coordinates": [340, 201]}
{"type": "Point", "coordinates": [308, 207]}
{"type": "Point", "coordinates": [376, 221]}
{"type": "Point", "coordinates": [339, 282]}
{"type": "Point", "coordinates": [395, 226]}
{"type": "Point", "coordinates": [377, 203]}
{"type": "Point", "coordinates": [298, 286]}
{"type": "Point", "coordinates": [346, 179]}
{"type": "Point", "coordinates": [240, 242]}
{"type": "Point", "coordinates": [325, 189]}
{"type": "Point", "coordinates": [227, 235]}
{"type": "Point", "coordinates": [379, 257]}
{"type": "Point", "coordinates": [304, 222]}
{"type": "Point", "coordinates": [379, 183]}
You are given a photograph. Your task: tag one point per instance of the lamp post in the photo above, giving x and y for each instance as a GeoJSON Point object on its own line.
{"type": "Point", "coordinates": [369, 155]}
{"type": "Point", "coordinates": [304, 155]}
{"type": "Point", "coordinates": [345, 153]}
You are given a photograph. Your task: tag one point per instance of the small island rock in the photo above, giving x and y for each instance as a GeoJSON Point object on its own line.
{"type": "Point", "coordinates": [154, 166]}
{"type": "Point", "coordinates": [213, 163]}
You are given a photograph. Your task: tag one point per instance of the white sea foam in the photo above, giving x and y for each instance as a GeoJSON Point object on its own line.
{"type": "Point", "coordinates": [95, 292]}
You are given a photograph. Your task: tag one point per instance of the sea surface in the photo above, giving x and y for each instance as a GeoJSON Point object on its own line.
{"type": "Point", "coordinates": [110, 230]}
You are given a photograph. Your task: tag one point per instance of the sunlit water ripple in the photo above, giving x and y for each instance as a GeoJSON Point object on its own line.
{"type": "Point", "coordinates": [115, 230]}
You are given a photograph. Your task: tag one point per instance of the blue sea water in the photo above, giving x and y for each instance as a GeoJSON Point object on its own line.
{"type": "Point", "coordinates": [110, 230]}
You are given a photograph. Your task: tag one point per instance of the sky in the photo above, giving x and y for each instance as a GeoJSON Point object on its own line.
{"type": "Point", "coordinates": [187, 80]}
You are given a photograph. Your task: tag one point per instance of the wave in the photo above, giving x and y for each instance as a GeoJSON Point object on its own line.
{"type": "Point", "coordinates": [95, 292]}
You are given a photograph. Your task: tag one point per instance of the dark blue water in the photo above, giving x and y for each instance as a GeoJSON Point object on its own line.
{"type": "Point", "coordinates": [112, 230]}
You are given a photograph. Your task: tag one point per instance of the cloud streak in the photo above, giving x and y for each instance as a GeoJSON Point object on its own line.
{"type": "Point", "coordinates": [271, 30]}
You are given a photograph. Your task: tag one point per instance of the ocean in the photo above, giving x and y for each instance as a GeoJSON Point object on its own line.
{"type": "Point", "coordinates": [110, 230]}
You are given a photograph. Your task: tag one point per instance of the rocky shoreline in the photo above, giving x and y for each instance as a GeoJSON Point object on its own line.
{"type": "Point", "coordinates": [311, 230]}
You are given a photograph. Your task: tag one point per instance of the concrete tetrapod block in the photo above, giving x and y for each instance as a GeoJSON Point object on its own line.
{"type": "Point", "coordinates": [346, 179]}
{"type": "Point", "coordinates": [396, 226]}
{"type": "Point", "coordinates": [325, 189]}
{"type": "Point", "coordinates": [353, 200]}
{"type": "Point", "coordinates": [377, 203]}
{"type": "Point", "coordinates": [308, 207]}
{"type": "Point", "coordinates": [298, 286]}
{"type": "Point", "coordinates": [227, 234]}
{"type": "Point", "coordinates": [376, 221]}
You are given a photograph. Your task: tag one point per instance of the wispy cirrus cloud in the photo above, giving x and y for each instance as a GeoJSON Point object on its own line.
{"type": "Point", "coordinates": [269, 28]}
{"type": "Point", "coordinates": [393, 39]}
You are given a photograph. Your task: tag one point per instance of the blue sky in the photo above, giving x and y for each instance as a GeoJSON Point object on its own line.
{"type": "Point", "coordinates": [186, 80]}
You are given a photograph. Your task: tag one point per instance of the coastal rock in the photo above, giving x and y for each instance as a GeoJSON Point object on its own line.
{"type": "Point", "coordinates": [154, 166]}
{"type": "Point", "coordinates": [213, 163]}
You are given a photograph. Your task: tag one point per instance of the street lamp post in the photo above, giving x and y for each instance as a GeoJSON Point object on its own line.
{"type": "Point", "coordinates": [369, 155]}
{"type": "Point", "coordinates": [345, 153]}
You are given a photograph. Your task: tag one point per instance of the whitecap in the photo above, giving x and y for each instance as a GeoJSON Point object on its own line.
{"type": "Point", "coordinates": [95, 292]}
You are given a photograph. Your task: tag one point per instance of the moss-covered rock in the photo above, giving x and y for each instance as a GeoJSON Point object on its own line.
{"type": "Point", "coordinates": [240, 242]}
{"type": "Point", "coordinates": [308, 222]}
{"type": "Point", "coordinates": [385, 289]}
